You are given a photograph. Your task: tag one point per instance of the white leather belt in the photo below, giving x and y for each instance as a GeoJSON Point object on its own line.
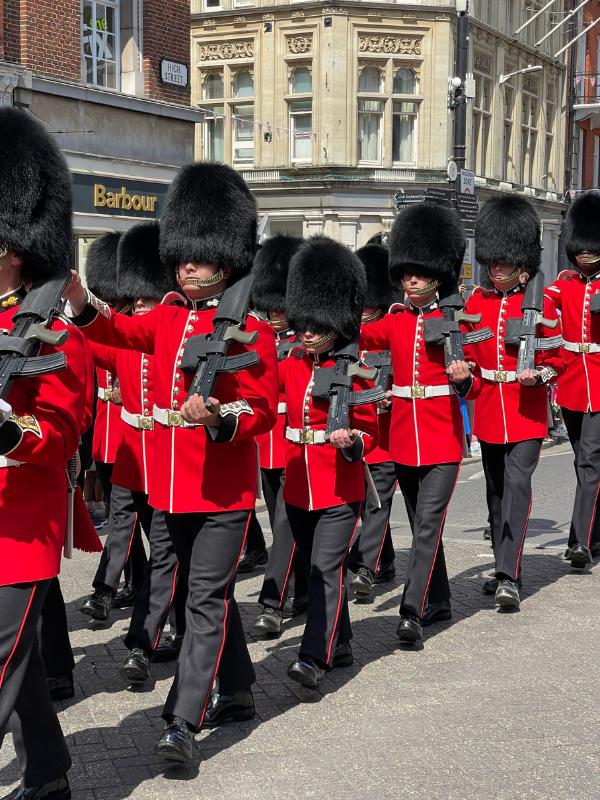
{"type": "Point", "coordinates": [582, 347]}
{"type": "Point", "coordinates": [282, 408]}
{"type": "Point", "coordinates": [8, 462]}
{"type": "Point", "coordinates": [171, 419]}
{"type": "Point", "coordinates": [104, 394]}
{"type": "Point", "coordinates": [499, 375]}
{"type": "Point", "coordinates": [137, 421]}
{"type": "Point", "coordinates": [305, 436]}
{"type": "Point", "coordinates": [418, 392]}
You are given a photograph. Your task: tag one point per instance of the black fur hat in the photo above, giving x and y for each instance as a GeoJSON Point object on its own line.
{"type": "Point", "coordinates": [101, 267]}
{"type": "Point", "coordinates": [380, 292]}
{"type": "Point", "coordinates": [582, 226]}
{"type": "Point", "coordinates": [326, 288]}
{"type": "Point", "coordinates": [428, 239]}
{"type": "Point", "coordinates": [508, 230]}
{"type": "Point", "coordinates": [35, 196]}
{"type": "Point", "coordinates": [140, 272]}
{"type": "Point", "coordinates": [209, 217]}
{"type": "Point", "coordinates": [271, 267]}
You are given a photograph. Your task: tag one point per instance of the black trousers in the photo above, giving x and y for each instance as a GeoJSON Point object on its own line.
{"type": "Point", "coordinates": [54, 635]}
{"type": "Point", "coordinates": [104, 474]}
{"type": "Point", "coordinates": [508, 471]}
{"type": "Point", "coordinates": [427, 492]}
{"type": "Point", "coordinates": [255, 541]}
{"type": "Point", "coordinates": [161, 585]}
{"type": "Point", "coordinates": [374, 546]}
{"type": "Point", "coordinates": [324, 538]}
{"type": "Point", "coordinates": [287, 571]}
{"type": "Point", "coordinates": [123, 543]}
{"type": "Point", "coordinates": [39, 743]}
{"type": "Point", "coordinates": [209, 547]}
{"type": "Point", "coordinates": [584, 435]}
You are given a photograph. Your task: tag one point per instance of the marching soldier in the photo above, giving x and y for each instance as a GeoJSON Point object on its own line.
{"type": "Point", "coordinates": [427, 246]}
{"type": "Point", "coordinates": [204, 452]}
{"type": "Point", "coordinates": [41, 421]}
{"type": "Point", "coordinates": [372, 555]}
{"type": "Point", "coordinates": [325, 482]}
{"type": "Point", "coordinates": [284, 588]}
{"type": "Point", "coordinates": [578, 300]}
{"type": "Point", "coordinates": [511, 410]}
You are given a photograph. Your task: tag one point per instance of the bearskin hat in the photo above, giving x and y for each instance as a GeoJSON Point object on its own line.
{"type": "Point", "coordinates": [582, 226]}
{"type": "Point", "coordinates": [428, 239]}
{"type": "Point", "coordinates": [271, 267]}
{"type": "Point", "coordinates": [380, 292]}
{"type": "Point", "coordinates": [210, 217]}
{"type": "Point", "coordinates": [140, 272]}
{"type": "Point", "coordinates": [101, 267]}
{"type": "Point", "coordinates": [326, 288]}
{"type": "Point", "coordinates": [35, 196]}
{"type": "Point", "coordinates": [508, 230]}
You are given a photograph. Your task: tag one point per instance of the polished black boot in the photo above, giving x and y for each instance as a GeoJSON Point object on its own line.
{"type": "Point", "coordinates": [61, 687]}
{"type": "Point", "coordinates": [269, 622]}
{"type": "Point", "coordinates": [580, 556]}
{"type": "Point", "coordinates": [307, 672]}
{"type": "Point", "coordinates": [136, 668]}
{"type": "Point", "coordinates": [363, 583]}
{"type": "Point", "coordinates": [97, 605]}
{"type": "Point", "coordinates": [53, 790]}
{"type": "Point", "coordinates": [436, 612]}
{"type": "Point", "coordinates": [252, 560]}
{"type": "Point", "coordinates": [409, 630]}
{"type": "Point", "coordinates": [168, 648]}
{"type": "Point", "coordinates": [125, 598]}
{"type": "Point", "coordinates": [294, 606]}
{"type": "Point", "coordinates": [224, 708]}
{"type": "Point", "coordinates": [176, 742]}
{"type": "Point", "coordinates": [507, 594]}
{"type": "Point", "coordinates": [385, 573]}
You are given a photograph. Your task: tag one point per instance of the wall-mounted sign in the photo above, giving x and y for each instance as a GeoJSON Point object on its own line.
{"type": "Point", "coordinates": [99, 194]}
{"type": "Point", "coordinates": [173, 72]}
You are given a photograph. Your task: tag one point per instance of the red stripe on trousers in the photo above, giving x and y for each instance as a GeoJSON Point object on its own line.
{"type": "Point", "coordinates": [341, 591]}
{"type": "Point", "coordinates": [18, 639]}
{"type": "Point", "coordinates": [287, 577]}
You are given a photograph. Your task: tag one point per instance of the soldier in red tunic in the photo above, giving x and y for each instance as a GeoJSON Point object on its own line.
{"type": "Point", "coordinates": [284, 588]}
{"type": "Point", "coordinates": [511, 410]}
{"type": "Point", "coordinates": [325, 481]}
{"type": "Point", "coordinates": [427, 246]}
{"type": "Point", "coordinates": [577, 297]}
{"type": "Point", "coordinates": [204, 453]}
{"type": "Point", "coordinates": [41, 421]}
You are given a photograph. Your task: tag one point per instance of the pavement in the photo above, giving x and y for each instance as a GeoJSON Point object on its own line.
{"type": "Point", "coordinates": [493, 706]}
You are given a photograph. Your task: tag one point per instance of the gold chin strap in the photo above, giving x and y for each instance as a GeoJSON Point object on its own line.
{"type": "Point", "coordinates": [3, 250]}
{"type": "Point", "coordinates": [587, 259]}
{"type": "Point", "coordinates": [371, 317]}
{"type": "Point", "coordinates": [432, 286]}
{"type": "Point", "coordinates": [200, 283]}
{"type": "Point", "coordinates": [327, 337]}
{"type": "Point", "coordinates": [506, 278]}
{"type": "Point", "coordinates": [279, 325]}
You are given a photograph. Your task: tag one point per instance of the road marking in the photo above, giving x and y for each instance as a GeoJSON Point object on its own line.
{"type": "Point", "coordinates": [476, 475]}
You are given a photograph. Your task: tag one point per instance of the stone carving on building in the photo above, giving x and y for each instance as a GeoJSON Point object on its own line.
{"type": "Point", "coordinates": [297, 14]}
{"type": "Point", "coordinates": [299, 44]}
{"type": "Point", "coordinates": [334, 10]}
{"type": "Point", "coordinates": [530, 85]}
{"type": "Point", "coordinates": [267, 17]}
{"type": "Point", "coordinates": [224, 51]}
{"type": "Point", "coordinates": [482, 62]}
{"type": "Point", "coordinates": [395, 45]}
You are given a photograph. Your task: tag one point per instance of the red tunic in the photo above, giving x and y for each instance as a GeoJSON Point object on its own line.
{"type": "Point", "coordinates": [509, 412]}
{"type": "Point", "coordinates": [52, 411]}
{"type": "Point", "coordinates": [423, 431]}
{"type": "Point", "coordinates": [579, 385]}
{"type": "Point", "coordinates": [272, 446]}
{"type": "Point", "coordinates": [194, 473]}
{"type": "Point", "coordinates": [317, 475]}
{"type": "Point", "coordinates": [381, 453]}
{"type": "Point", "coordinates": [107, 426]}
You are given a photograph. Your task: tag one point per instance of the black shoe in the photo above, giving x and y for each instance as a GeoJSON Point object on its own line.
{"type": "Point", "coordinates": [125, 598]}
{"type": "Point", "coordinates": [97, 605]}
{"type": "Point", "coordinates": [487, 534]}
{"type": "Point", "coordinates": [252, 560]}
{"type": "Point", "coordinates": [343, 656]}
{"type": "Point", "coordinates": [136, 668]}
{"type": "Point", "coordinates": [436, 612]}
{"type": "Point", "coordinates": [168, 649]}
{"type": "Point", "coordinates": [595, 550]}
{"type": "Point", "coordinates": [386, 572]}
{"type": "Point", "coordinates": [307, 672]}
{"type": "Point", "coordinates": [224, 708]}
{"type": "Point", "coordinates": [53, 790]}
{"type": "Point", "coordinates": [567, 554]}
{"type": "Point", "coordinates": [580, 556]}
{"type": "Point", "coordinates": [294, 606]}
{"type": "Point", "coordinates": [409, 630]}
{"type": "Point", "coordinates": [61, 687]}
{"type": "Point", "coordinates": [507, 594]}
{"type": "Point", "coordinates": [363, 582]}
{"type": "Point", "coordinates": [269, 622]}
{"type": "Point", "coordinates": [176, 741]}
{"type": "Point", "coordinates": [490, 586]}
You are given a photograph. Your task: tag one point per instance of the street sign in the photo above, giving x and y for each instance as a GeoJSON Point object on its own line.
{"type": "Point", "coordinates": [466, 200]}
{"type": "Point", "coordinates": [173, 72]}
{"type": "Point", "coordinates": [407, 197]}
{"type": "Point", "coordinates": [442, 196]}
{"type": "Point", "coordinates": [467, 181]}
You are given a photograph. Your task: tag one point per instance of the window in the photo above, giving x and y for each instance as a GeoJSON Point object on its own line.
{"type": "Point", "coordinates": [370, 80]}
{"type": "Point", "coordinates": [403, 132]}
{"type": "Point", "coordinates": [405, 81]}
{"type": "Point", "coordinates": [212, 3]}
{"type": "Point", "coordinates": [301, 81]}
{"type": "Point", "coordinates": [100, 41]}
{"type": "Point", "coordinates": [301, 130]}
{"type": "Point", "coordinates": [529, 122]}
{"type": "Point", "coordinates": [214, 134]}
{"type": "Point", "coordinates": [213, 88]}
{"type": "Point", "coordinates": [482, 120]}
{"type": "Point", "coordinates": [548, 181]}
{"type": "Point", "coordinates": [243, 84]}
{"type": "Point", "coordinates": [370, 122]}
{"type": "Point", "coordinates": [507, 143]}
{"type": "Point", "coordinates": [243, 133]}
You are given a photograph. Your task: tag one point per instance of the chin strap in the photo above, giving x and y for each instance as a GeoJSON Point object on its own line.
{"type": "Point", "coordinates": [504, 279]}
{"type": "Point", "coordinates": [327, 337]}
{"type": "Point", "coordinates": [202, 283]}
{"type": "Point", "coordinates": [431, 287]}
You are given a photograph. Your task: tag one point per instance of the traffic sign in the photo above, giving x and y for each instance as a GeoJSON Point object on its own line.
{"type": "Point", "coordinates": [442, 196]}
{"type": "Point", "coordinates": [407, 197]}
{"type": "Point", "coordinates": [467, 182]}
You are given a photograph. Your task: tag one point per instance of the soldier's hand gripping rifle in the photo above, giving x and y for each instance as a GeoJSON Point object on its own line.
{"type": "Point", "coordinates": [335, 384]}
{"type": "Point", "coordinates": [446, 331]}
{"type": "Point", "coordinates": [521, 331]}
{"type": "Point", "coordinates": [207, 354]}
{"type": "Point", "coordinates": [381, 361]}
{"type": "Point", "coordinates": [19, 349]}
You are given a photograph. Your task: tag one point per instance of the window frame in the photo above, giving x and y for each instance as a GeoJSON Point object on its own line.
{"type": "Point", "coordinates": [93, 31]}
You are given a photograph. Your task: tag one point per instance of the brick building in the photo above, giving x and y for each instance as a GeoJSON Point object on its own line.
{"type": "Point", "coordinates": [109, 78]}
{"type": "Point", "coordinates": [587, 102]}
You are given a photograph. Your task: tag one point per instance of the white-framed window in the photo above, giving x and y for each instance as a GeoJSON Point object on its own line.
{"type": "Point", "coordinates": [405, 113]}
{"type": "Point", "coordinates": [211, 5]}
{"type": "Point", "coordinates": [243, 133]}
{"type": "Point", "coordinates": [548, 179]}
{"type": "Point", "coordinates": [101, 43]}
{"type": "Point", "coordinates": [507, 132]}
{"type": "Point", "coordinates": [301, 80]}
{"type": "Point", "coordinates": [529, 131]}
{"type": "Point", "coordinates": [213, 87]}
{"type": "Point", "coordinates": [243, 84]}
{"type": "Point", "coordinates": [300, 116]}
{"type": "Point", "coordinates": [213, 132]}
{"type": "Point", "coordinates": [370, 126]}
{"type": "Point", "coordinates": [370, 80]}
{"type": "Point", "coordinates": [482, 122]}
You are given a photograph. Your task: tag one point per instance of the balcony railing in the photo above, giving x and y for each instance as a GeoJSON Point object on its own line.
{"type": "Point", "coordinates": [587, 87]}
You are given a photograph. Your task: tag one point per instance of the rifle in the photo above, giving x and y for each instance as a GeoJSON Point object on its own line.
{"type": "Point", "coordinates": [521, 331]}
{"type": "Point", "coordinates": [19, 349]}
{"type": "Point", "coordinates": [206, 354]}
{"type": "Point", "coordinates": [381, 360]}
{"type": "Point", "coordinates": [284, 347]}
{"type": "Point", "coordinates": [446, 331]}
{"type": "Point", "coordinates": [335, 384]}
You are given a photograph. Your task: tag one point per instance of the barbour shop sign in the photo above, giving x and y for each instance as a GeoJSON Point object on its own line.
{"type": "Point", "coordinates": [99, 194]}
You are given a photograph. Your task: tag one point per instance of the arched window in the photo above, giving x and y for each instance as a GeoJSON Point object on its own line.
{"type": "Point", "coordinates": [301, 81]}
{"type": "Point", "coordinates": [213, 86]}
{"type": "Point", "coordinates": [404, 81]}
{"type": "Point", "coordinates": [243, 84]}
{"type": "Point", "coordinates": [370, 80]}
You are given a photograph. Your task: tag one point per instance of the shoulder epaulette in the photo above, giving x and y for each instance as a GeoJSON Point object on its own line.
{"type": "Point", "coordinates": [396, 308]}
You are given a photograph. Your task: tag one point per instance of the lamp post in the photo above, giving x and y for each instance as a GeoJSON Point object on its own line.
{"type": "Point", "coordinates": [529, 68]}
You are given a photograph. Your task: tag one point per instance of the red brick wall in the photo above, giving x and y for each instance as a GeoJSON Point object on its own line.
{"type": "Point", "coordinates": [166, 35]}
{"type": "Point", "coordinates": [10, 30]}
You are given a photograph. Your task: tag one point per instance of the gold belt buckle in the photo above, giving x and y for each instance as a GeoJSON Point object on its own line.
{"type": "Point", "coordinates": [174, 419]}
{"type": "Point", "coordinates": [145, 423]}
{"type": "Point", "coordinates": [307, 437]}
{"type": "Point", "coordinates": [417, 391]}
{"type": "Point", "coordinates": [500, 376]}
{"type": "Point", "coordinates": [107, 395]}
{"type": "Point", "coordinates": [584, 347]}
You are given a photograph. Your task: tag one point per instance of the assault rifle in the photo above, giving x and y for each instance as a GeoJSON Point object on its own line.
{"type": "Point", "coordinates": [335, 384]}
{"type": "Point", "coordinates": [381, 360]}
{"type": "Point", "coordinates": [19, 349]}
{"type": "Point", "coordinates": [521, 331]}
{"type": "Point", "coordinates": [447, 332]}
{"type": "Point", "coordinates": [207, 354]}
{"type": "Point", "coordinates": [284, 347]}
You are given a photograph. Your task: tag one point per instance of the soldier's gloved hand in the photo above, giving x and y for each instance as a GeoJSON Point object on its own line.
{"type": "Point", "coordinates": [115, 396]}
{"type": "Point", "coordinates": [458, 372]}
{"type": "Point", "coordinates": [5, 411]}
{"type": "Point", "coordinates": [197, 412]}
{"type": "Point", "coordinates": [529, 377]}
{"type": "Point", "coordinates": [343, 438]}
{"type": "Point", "coordinates": [75, 294]}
